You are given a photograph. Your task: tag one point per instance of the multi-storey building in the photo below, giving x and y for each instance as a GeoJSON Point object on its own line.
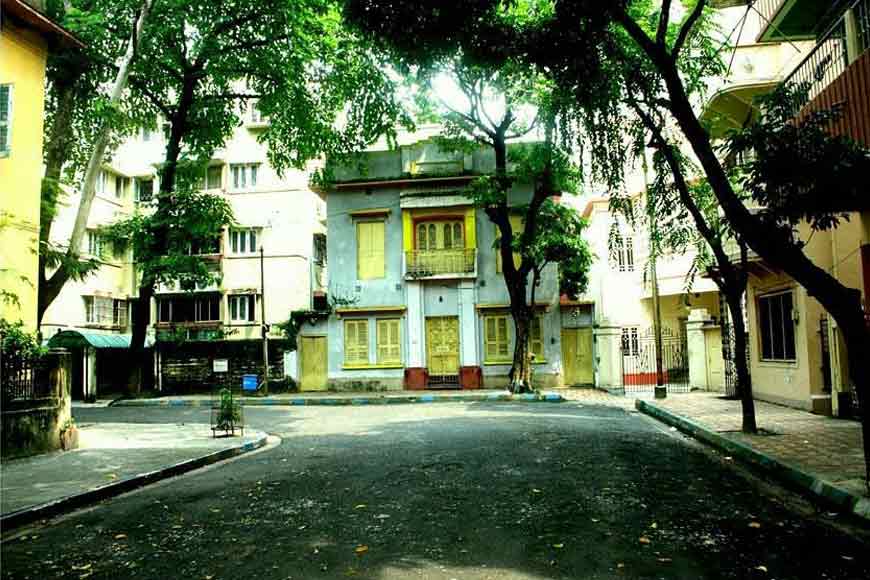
{"type": "Point", "coordinates": [26, 35]}
{"type": "Point", "coordinates": [276, 242]}
{"type": "Point", "coordinates": [797, 356]}
{"type": "Point", "coordinates": [420, 298]}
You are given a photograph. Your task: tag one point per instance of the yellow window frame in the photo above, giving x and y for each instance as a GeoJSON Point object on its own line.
{"type": "Point", "coordinates": [356, 342]}
{"type": "Point", "coordinates": [389, 341]}
{"type": "Point", "coordinates": [496, 339]}
{"type": "Point", "coordinates": [371, 249]}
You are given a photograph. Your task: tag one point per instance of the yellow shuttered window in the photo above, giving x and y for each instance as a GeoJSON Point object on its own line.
{"type": "Point", "coordinates": [356, 342]}
{"type": "Point", "coordinates": [517, 227]}
{"type": "Point", "coordinates": [536, 337]}
{"type": "Point", "coordinates": [389, 341]}
{"type": "Point", "coordinates": [370, 250]}
{"type": "Point", "coordinates": [495, 339]}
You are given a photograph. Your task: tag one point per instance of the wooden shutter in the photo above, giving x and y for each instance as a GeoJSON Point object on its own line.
{"type": "Point", "coordinates": [536, 337]}
{"type": "Point", "coordinates": [370, 250]}
{"type": "Point", "coordinates": [495, 338]}
{"type": "Point", "coordinates": [389, 345]}
{"type": "Point", "coordinates": [356, 342]}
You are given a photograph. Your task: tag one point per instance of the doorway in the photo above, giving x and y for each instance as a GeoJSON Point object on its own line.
{"type": "Point", "coordinates": [314, 359]}
{"type": "Point", "coordinates": [577, 356]}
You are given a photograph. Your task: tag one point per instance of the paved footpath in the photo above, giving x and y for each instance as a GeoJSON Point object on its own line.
{"type": "Point", "coordinates": [825, 447]}
{"type": "Point", "coordinates": [110, 453]}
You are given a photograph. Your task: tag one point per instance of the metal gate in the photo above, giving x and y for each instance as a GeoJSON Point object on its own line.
{"type": "Point", "coordinates": [729, 349]}
{"type": "Point", "coordinates": [639, 361]}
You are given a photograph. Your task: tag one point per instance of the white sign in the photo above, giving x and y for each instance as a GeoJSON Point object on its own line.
{"type": "Point", "coordinates": [220, 365]}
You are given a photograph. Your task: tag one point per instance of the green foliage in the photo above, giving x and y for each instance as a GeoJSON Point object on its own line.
{"type": "Point", "coordinates": [561, 242]}
{"type": "Point", "coordinates": [193, 219]}
{"type": "Point", "coordinates": [298, 318]}
{"type": "Point", "coordinates": [229, 411]}
{"type": "Point", "coordinates": [18, 343]}
{"type": "Point", "coordinates": [796, 169]}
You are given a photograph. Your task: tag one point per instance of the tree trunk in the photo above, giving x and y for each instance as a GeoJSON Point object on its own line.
{"type": "Point", "coordinates": [733, 296]}
{"type": "Point", "coordinates": [140, 318]}
{"type": "Point", "coordinates": [521, 369]}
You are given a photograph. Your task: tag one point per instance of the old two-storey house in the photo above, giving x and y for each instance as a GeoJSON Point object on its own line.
{"type": "Point", "coordinates": [420, 298]}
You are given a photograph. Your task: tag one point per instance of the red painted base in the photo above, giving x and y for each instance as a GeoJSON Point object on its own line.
{"type": "Point", "coordinates": [470, 378]}
{"type": "Point", "coordinates": [643, 378]}
{"type": "Point", "coordinates": [415, 379]}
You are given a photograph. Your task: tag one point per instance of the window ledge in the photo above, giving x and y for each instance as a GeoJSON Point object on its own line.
{"type": "Point", "coordinates": [374, 366]}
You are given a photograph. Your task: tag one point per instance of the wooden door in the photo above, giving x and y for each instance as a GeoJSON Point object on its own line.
{"type": "Point", "coordinates": [715, 364]}
{"type": "Point", "coordinates": [442, 345]}
{"type": "Point", "coordinates": [577, 356]}
{"type": "Point", "coordinates": [313, 353]}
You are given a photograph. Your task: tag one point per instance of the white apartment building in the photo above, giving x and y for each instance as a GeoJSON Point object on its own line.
{"type": "Point", "coordinates": [276, 213]}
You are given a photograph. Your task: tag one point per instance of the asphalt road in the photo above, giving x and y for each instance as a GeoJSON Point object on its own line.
{"type": "Point", "coordinates": [464, 491]}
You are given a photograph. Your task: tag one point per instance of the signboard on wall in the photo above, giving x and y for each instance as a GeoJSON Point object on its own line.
{"type": "Point", "coordinates": [220, 365]}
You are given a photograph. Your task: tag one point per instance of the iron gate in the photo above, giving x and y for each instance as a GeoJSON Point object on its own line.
{"type": "Point", "coordinates": [639, 361]}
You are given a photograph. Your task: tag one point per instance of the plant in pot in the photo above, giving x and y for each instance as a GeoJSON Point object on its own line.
{"type": "Point", "coordinates": [69, 435]}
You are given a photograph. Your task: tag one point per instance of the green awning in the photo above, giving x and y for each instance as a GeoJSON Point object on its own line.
{"type": "Point", "coordinates": [78, 338]}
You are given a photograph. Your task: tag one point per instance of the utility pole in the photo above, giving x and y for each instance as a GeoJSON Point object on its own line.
{"type": "Point", "coordinates": [264, 328]}
{"type": "Point", "coordinates": [661, 391]}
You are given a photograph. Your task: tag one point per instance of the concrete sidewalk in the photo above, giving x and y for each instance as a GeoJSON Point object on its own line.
{"type": "Point", "coordinates": [826, 454]}
{"type": "Point", "coordinates": [112, 458]}
{"type": "Point", "coordinates": [341, 398]}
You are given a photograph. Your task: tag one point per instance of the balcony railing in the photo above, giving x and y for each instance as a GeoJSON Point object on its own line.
{"type": "Point", "coordinates": [830, 57]}
{"type": "Point", "coordinates": [424, 263]}
{"type": "Point", "coordinates": [768, 8]}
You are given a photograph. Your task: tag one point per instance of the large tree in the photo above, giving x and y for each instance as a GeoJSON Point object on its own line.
{"type": "Point", "coordinates": [577, 43]}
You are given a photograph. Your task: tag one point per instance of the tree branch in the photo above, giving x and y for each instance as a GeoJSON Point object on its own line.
{"type": "Point", "coordinates": [664, 18]}
{"type": "Point", "coordinates": [686, 29]}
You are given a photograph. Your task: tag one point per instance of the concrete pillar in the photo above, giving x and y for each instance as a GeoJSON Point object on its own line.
{"type": "Point", "coordinates": [697, 347]}
{"type": "Point", "coordinates": [291, 367]}
{"type": "Point", "coordinates": [608, 347]}
{"type": "Point", "coordinates": [90, 368]}
{"type": "Point", "coordinates": [416, 329]}
{"type": "Point", "coordinates": [467, 325]}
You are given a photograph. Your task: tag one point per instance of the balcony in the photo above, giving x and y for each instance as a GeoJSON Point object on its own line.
{"type": "Point", "coordinates": [794, 19]}
{"type": "Point", "coordinates": [453, 263]}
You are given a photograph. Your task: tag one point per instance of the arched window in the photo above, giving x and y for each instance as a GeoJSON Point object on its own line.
{"type": "Point", "coordinates": [421, 237]}
{"type": "Point", "coordinates": [448, 236]}
{"type": "Point", "coordinates": [457, 235]}
{"type": "Point", "coordinates": [433, 237]}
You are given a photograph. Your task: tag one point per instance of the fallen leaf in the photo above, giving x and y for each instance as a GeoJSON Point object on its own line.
{"type": "Point", "coordinates": [595, 521]}
{"type": "Point", "coordinates": [558, 546]}
{"type": "Point", "coordinates": [121, 537]}
{"type": "Point", "coordinates": [620, 565]}
{"type": "Point", "coordinates": [112, 475]}
{"type": "Point", "coordinates": [849, 558]}
{"type": "Point", "coordinates": [361, 549]}
{"type": "Point", "coordinates": [761, 568]}
{"type": "Point", "coordinates": [536, 490]}
{"type": "Point", "coordinates": [643, 540]}
{"type": "Point", "coordinates": [82, 567]}
{"type": "Point", "coordinates": [665, 560]}
{"type": "Point", "coordinates": [359, 506]}
{"type": "Point", "coordinates": [755, 525]}
{"type": "Point", "coordinates": [653, 525]}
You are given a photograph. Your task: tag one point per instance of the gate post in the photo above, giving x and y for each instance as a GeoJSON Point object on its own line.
{"type": "Point", "coordinates": [697, 347]}
{"type": "Point", "coordinates": [608, 352]}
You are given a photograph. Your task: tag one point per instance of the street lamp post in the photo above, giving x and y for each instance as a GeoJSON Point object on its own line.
{"type": "Point", "coordinates": [264, 328]}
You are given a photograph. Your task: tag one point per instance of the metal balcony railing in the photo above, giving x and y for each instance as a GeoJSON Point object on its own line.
{"type": "Point", "coordinates": [768, 8]}
{"type": "Point", "coordinates": [422, 263]}
{"type": "Point", "coordinates": [830, 57]}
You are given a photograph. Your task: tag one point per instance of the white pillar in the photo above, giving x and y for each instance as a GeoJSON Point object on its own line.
{"type": "Point", "coordinates": [90, 386]}
{"type": "Point", "coordinates": [608, 351]}
{"type": "Point", "coordinates": [697, 347]}
{"type": "Point", "coordinates": [291, 368]}
{"type": "Point", "coordinates": [416, 334]}
{"type": "Point", "coordinates": [467, 324]}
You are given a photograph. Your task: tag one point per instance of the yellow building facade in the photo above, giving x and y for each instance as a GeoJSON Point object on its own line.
{"type": "Point", "coordinates": [25, 37]}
